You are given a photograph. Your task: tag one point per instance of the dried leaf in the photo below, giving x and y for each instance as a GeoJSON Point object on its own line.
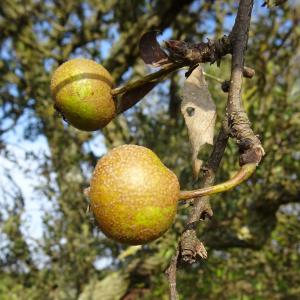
{"type": "Point", "coordinates": [177, 49]}
{"type": "Point", "coordinates": [199, 112]}
{"type": "Point", "coordinates": [151, 51]}
{"type": "Point", "coordinates": [130, 98]}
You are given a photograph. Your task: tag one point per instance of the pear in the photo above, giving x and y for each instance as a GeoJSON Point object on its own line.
{"type": "Point", "coordinates": [133, 195]}
{"type": "Point", "coordinates": [81, 89]}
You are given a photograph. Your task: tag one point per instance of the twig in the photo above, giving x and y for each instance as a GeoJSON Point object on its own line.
{"type": "Point", "coordinates": [190, 247]}
{"type": "Point", "coordinates": [171, 274]}
{"type": "Point", "coordinates": [239, 127]}
{"type": "Point", "coordinates": [202, 208]}
{"type": "Point", "coordinates": [249, 144]}
{"type": "Point", "coordinates": [132, 92]}
{"type": "Point", "coordinates": [210, 51]}
{"type": "Point", "coordinates": [153, 77]}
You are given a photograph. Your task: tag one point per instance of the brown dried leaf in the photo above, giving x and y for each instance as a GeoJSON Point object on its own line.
{"type": "Point", "coordinates": [130, 98]}
{"type": "Point", "coordinates": [176, 49]}
{"type": "Point", "coordinates": [151, 51]}
{"type": "Point", "coordinates": [199, 112]}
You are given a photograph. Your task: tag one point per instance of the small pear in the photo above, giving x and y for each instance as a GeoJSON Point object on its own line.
{"type": "Point", "coordinates": [81, 89]}
{"type": "Point", "coordinates": [133, 195]}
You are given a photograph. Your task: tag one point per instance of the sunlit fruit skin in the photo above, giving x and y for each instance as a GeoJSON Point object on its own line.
{"type": "Point", "coordinates": [81, 90]}
{"type": "Point", "coordinates": [133, 195]}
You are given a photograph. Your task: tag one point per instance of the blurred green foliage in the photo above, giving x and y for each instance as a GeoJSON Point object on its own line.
{"type": "Point", "coordinates": [254, 238]}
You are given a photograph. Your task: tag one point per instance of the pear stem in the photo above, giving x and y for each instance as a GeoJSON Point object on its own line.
{"type": "Point", "coordinates": [243, 174]}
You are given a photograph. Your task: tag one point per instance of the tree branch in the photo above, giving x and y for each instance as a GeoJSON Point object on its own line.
{"type": "Point", "coordinates": [238, 126]}
{"type": "Point", "coordinates": [210, 51]}
{"type": "Point", "coordinates": [171, 274]}
{"type": "Point", "coordinates": [189, 246]}
{"type": "Point", "coordinates": [202, 208]}
{"type": "Point", "coordinates": [249, 144]}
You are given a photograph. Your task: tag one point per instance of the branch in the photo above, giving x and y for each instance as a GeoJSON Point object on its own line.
{"type": "Point", "coordinates": [249, 144]}
{"type": "Point", "coordinates": [171, 274]}
{"type": "Point", "coordinates": [133, 91]}
{"type": "Point", "coordinates": [202, 208]}
{"type": "Point", "coordinates": [152, 77]}
{"type": "Point", "coordinates": [210, 51]}
{"type": "Point", "coordinates": [189, 246]}
{"type": "Point", "coordinates": [238, 127]}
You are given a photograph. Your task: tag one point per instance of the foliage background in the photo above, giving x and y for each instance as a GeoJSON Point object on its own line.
{"type": "Point", "coordinates": [254, 237]}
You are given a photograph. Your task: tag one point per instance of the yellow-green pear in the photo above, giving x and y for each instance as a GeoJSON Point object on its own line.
{"type": "Point", "coordinates": [133, 195]}
{"type": "Point", "coordinates": [81, 89]}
